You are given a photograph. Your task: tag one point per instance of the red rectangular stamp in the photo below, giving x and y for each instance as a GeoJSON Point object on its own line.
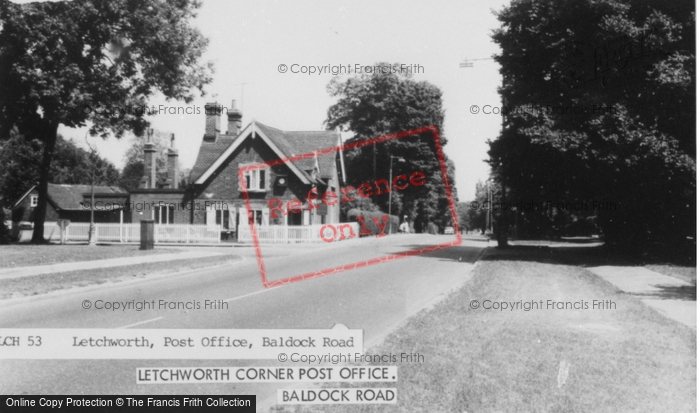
{"type": "Point", "coordinates": [331, 232]}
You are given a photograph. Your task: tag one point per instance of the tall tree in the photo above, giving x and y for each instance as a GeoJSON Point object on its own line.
{"type": "Point", "coordinates": [131, 174]}
{"type": "Point", "coordinates": [386, 102]}
{"type": "Point", "coordinates": [61, 61]}
{"type": "Point", "coordinates": [605, 92]}
{"type": "Point", "coordinates": [476, 217]}
{"type": "Point", "coordinates": [20, 159]}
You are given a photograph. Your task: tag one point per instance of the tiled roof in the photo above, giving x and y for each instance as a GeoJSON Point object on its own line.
{"type": "Point", "coordinates": [70, 197]}
{"type": "Point", "coordinates": [299, 143]}
{"type": "Point", "coordinates": [210, 152]}
{"type": "Point", "coordinates": [290, 143]}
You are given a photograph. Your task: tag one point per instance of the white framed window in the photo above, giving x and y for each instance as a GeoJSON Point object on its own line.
{"type": "Point", "coordinates": [225, 218]}
{"type": "Point", "coordinates": [257, 179]}
{"type": "Point", "coordinates": [257, 216]}
{"type": "Point", "coordinates": [221, 216]}
{"type": "Point", "coordinates": [33, 200]}
{"type": "Point", "coordinates": [164, 214]}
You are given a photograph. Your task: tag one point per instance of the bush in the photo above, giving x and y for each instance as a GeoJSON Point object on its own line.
{"type": "Point", "coordinates": [357, 203]}
{"type": "Point", "coordinates": [432, 228]}
{"type": "Point", "coordinates": [354, 213]}
{"type": "Point", "coordinates": [5, 233]}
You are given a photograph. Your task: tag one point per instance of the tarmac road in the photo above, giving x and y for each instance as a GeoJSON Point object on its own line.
{"type": "Point", "coordinates": [374, 298]}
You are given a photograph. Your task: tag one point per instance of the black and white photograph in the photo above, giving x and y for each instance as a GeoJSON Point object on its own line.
{"type": "Point", "coordinates": [348, 206]}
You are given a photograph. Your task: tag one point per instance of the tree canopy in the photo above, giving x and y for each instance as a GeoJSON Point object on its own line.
{"type": "Point", "coordinates": [20, 159]}
{"type": "Point", "coordinates": [381, 103]}
{"type": "Point", "coordinates": [131, 174]}
{"type": "Point", "coordinates": [59, 61]}
{"type": "Point", "coordinates": [600, 102]}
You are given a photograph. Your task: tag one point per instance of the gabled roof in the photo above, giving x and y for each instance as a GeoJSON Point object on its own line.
{"type": "Point", "coordinates": [23, 196]}
{"type": "Point", "coordinates": [285, 145]}
{"type": "Point", "coordinates": [210, 152]}
{"type": "Point", "coordinates": [70, 197]}
{"type": "Point", "coordinates": [299, 143]}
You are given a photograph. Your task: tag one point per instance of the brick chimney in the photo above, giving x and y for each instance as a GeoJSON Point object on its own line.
{"type": "Point", "coordinates": [234, 120]}
{"type": "Point", "coordinates": [173, 164]}
{"type": "Point", "coordinates": [212, 111]}
{"type": "Point", "coordinates": [149, 163]}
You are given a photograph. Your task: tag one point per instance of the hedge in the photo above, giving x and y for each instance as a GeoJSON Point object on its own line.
{"type": "Point", "coordinates": [354, 213]}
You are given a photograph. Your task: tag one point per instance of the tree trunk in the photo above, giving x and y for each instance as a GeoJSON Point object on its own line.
{"type": "Point", "coordinates": [49, 139]}
{"type": "Point", "coordinates": [503, 239]}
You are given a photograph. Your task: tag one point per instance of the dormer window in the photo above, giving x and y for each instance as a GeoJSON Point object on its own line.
{"type": "Point", "coordinates": [257, 179]}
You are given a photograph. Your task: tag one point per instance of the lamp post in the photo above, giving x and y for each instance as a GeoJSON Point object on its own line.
{"type": "Point", "coordinates": [92, 232]}
{"type": "Point", "coordinates": [391, 178]}
{"type": "Point", "coordinates": [489, 211]}
{"type": "Point", "coordinates": [491, 206]}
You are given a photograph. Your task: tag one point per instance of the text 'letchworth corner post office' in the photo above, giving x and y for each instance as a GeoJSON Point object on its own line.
{"type": "Point", "coordinates": [218, 194]}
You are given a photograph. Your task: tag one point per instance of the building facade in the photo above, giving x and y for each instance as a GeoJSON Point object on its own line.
{"type": "Point", "coordinates": [292, 170]}
{"type": "Point", "coordinates": [72, 202]}
{"type": "Point", "coordinates": [217, 194]}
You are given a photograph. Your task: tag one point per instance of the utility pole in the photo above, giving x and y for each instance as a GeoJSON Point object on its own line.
{"type": "Point", "coordinates": [491, 207]}
{"type": "Point", "coordinates": [503, 224]}
{"type": "Point", "coordinates": [489, 211]}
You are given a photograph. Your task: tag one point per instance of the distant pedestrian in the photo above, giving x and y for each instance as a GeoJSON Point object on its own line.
{"type": "Point", "coordinates": [403, 228]}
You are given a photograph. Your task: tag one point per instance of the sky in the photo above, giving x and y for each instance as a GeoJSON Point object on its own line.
{"type": "Point", "coordinates": [248, 41]}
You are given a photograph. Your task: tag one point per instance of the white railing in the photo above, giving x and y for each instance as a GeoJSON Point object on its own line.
{"type": "Point", "coordinates": [163, 234]}
{"type": "Point", "coordinates": [283, 234]}
{"type": "Point", "coordinates": [78, 231]}
{"type": "Point", "coordinates": [52, 231]}
{"type": "Point", "coordinates": [188, 234]}
{"type": "Point", "coordinates": [116, 232]}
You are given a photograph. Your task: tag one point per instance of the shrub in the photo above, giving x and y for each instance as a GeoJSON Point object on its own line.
{"type": "Point", "coordinates": [357, 203]}
{"type": "Point", "coordinates": [354, 213]}
{"type": "Point", "coordinates": [5, 233]}
{"type": "Point", "coordinates": [432, 228]}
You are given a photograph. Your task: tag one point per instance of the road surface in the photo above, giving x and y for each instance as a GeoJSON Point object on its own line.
{"type": "Point", "coordinates": [375, 298]}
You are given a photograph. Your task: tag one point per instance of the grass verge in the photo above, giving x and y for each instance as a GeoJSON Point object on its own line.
{"type": "Point", "coordinates": [688, 274]}
{"type": "Point", "coordinates": [28, 255]}
{"type": "Point", "coordinates": [42, 284]}
{"type": "Point", "coordinates": [626, 358]}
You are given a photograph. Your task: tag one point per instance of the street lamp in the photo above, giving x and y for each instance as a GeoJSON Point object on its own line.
{"type": "Point", "coordinates": [391, 178]}
{"type": "Point", "coordinates": [489, 211]}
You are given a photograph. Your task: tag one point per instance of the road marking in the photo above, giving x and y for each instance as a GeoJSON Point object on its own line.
{"type": "Point", "coordinates": [142, 322]}
{"type": "Point", "coordinates": [249, 295]}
